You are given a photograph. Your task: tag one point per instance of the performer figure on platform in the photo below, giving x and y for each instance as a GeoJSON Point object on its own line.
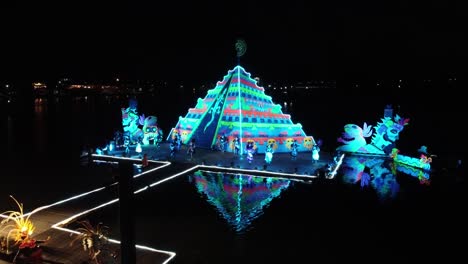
{"type": "Point", "coordinates": [294, 147]}
{"type": "Point", "coordinates": [250, 150]}
{"type": "Point", "coordinates": [178, 141]}
{"type": "Point", "coordinates": [315, 153]}
{"type": "Point", "coordinates": [269, 153]}
{"type": "Point", "coordinates": [191, 148]}
{"type": "Point", "coordinates": [222, 140]}
{"type": "Point", "coordinates": [172, 148]}
{"type": "Point", "coordinates": [236, 146]}
{"type": "Point", "coordinates": [127, 146]}
{"type": "Point", "coordinates": [144, 161]}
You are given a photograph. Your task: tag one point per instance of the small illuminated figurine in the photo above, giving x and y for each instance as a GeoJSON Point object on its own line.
{"type": "Point", "coordinates": [138, 148]}
{"type": "Point", "coordinates": [127, 146]}
{"type": "Point", "coordinates": [250, 150]}
{"type": "Point", "coordinates": [269, 153]}
{"type": "Point", "coordinates": [178, 141]}
{"type": "Point", "coordinates": [222, 143]}
{"type": "Point", "coordinates": [236, 146]}
{"type": "Point", "coordinates": [172, 148]}
{"type": "Point", "coordinates": [191, 148]}
{"type": "Point", "coordinates": [294, 147]}
{"type": "Point", "coordinates": [315, 153]}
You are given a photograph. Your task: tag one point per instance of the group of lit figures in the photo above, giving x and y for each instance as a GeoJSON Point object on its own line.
{"type": "Point", "coordinates": [294, 150]}
{"type": "Point", "coordinates": [250, 149]}
{"type": "Point", "coordinates": [176, 143]}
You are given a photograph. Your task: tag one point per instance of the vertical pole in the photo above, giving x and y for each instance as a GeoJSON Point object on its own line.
{"type": "Point", "coordinates": [127, 225]}
{"type": "Point", "coordinates": [240, 107]}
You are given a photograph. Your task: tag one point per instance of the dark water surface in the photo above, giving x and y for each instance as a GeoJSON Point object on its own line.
{"type": "Point", "coordinates": [230, 218]}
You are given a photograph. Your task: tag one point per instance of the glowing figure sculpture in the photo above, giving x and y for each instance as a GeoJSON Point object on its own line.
{"type": "Point", "coordinates": [294, 147]}
{"type": "Point", "coordinates": [250, 151]}
{"type": "Point", "coordinates": [238, 107]}
{"type": "Point", "coordinates": [239, 198]}
{"type": "Point", "coordinates": [315, 153]}
{"type": "Point", "coordinates": [130, 123]}
{"type": "Point", "coordinates": [151, 131]}
{"type": "Point", "coordinates": [382, 142]}
{"type": "Point", "coordinates": [269, 153]}
{"type": "Point", "coordinates": [235, 146]}
{"type": "Point", "coordinates": [138, 148]}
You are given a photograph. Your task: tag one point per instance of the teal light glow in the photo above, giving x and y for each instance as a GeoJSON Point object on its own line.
{"type": "Point", "coordinates": [138, 148]}
{"type": "Point", "coordinates": [239, 204]}
{"type": "Point", "coordinates": [240, 110]}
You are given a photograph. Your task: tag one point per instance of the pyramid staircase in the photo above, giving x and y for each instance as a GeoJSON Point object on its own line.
{"type": "Point", "coordinates": [208, 124]}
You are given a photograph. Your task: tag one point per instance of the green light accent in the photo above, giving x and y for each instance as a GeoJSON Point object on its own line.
{"type": "Point", "coordinates": [222, 113]}
{"type": "Point", "coordinates": [276, 109]}
{"type": "Point", "coordinates": [240, 111]}
{"type": "Point", "coordinates": [199, 103]}
{"type": "Point", "coordinates": [195, 127]}
{"type": "Point", "coordinates": [260, 125]}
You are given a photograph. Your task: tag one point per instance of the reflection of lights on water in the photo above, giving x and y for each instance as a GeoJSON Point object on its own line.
{"type": "Point", "coordinates": [39, 105]}
{"type": "Point", "coordinates": [240, 199]}
{"type": "Point", "coordinates": [60, 225]}
{"type": "Point", "coordinates": [332, 174]}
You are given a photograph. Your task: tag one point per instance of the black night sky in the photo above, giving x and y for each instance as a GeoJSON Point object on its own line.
{"type": "Point", "coordinates": [194, 40]}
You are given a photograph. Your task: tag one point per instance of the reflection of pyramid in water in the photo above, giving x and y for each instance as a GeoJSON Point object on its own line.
{"type": "Point", "coordinates": [239, 198]}
{"type": "Point", "coordinates": [238, 107]}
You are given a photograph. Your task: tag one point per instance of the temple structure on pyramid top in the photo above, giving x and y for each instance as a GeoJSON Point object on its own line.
{"type": "Point", "coordinates": [238, 108]}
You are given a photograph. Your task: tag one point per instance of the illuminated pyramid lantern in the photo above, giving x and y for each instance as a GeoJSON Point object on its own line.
{"type": "Point", "coordinates": [238, 107]}
{"type": "Point", "coordinates": [240, 199]}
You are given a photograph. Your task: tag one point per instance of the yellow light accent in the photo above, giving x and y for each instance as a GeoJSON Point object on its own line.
{"type": "Point", "coordinates": [21, 229]}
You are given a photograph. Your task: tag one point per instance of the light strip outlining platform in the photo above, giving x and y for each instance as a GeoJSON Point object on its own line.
{"type": "Point", "coordinates": [59, 225]}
